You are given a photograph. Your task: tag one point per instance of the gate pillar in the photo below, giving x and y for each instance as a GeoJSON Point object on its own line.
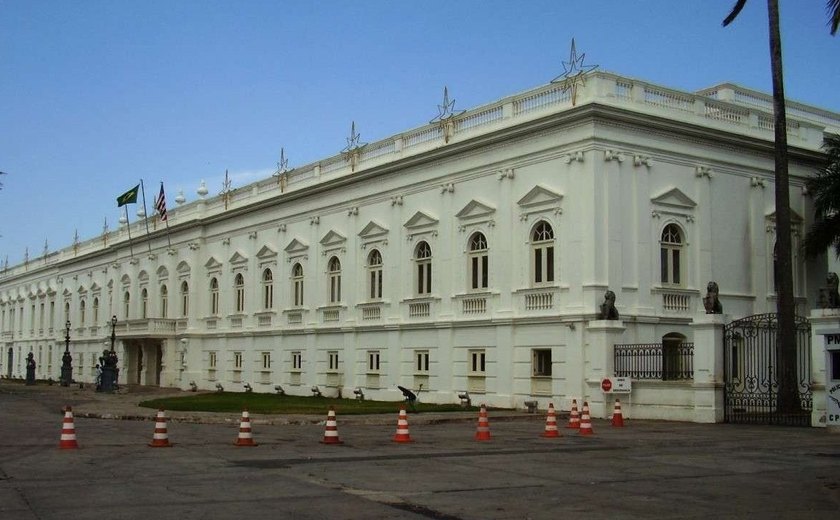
{"type": "Point", "coordinates": [599, 362]}
{"type": "Point", "coordinates": [823, 322]}
{"type": "Point", "coordinates": [708, 367]}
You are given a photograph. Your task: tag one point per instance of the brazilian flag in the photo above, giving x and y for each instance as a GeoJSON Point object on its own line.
{"type": "Point", "coordinates": [128, 197]}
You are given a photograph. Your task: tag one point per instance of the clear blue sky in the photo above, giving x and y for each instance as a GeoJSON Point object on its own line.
{"type": "Point", "coordinates": [96, 94]}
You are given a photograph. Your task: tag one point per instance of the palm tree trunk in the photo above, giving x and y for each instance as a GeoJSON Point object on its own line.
{"type": "Point", "coordinates": [786, 339]}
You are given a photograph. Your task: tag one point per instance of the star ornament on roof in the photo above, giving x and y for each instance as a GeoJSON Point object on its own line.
{"type": "Point", "coordinates": [354, 141]}
{"type": "Point", "coordinates": [447, 109]}
{"type": "Point", "coordinates": [574, 72]}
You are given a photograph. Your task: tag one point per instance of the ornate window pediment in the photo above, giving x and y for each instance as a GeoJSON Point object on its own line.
{"type": "Point", "coordinates": [673, 202]}
{"type": "Point", "coordinates": [183, 269]}
{"type": "Point", "coordinates": [333, 241]}
{"type": "Point", "coordinates": [420, 220]}
{"type": "Point", "coordinates": [296, 249]}
{"type": "Point", "coordinates": [539, 199]}
{"type": "Point", "coordinates": [674, 198]}
{"type": "Point", "coordinates": [475, 213]}
{"type": "Point", "coordinates": [212, 265]}
{"type": "Point", "coordinates": [143, 277]}
{"type": "Point", "coordinates": [266, 256]}
{"type": "Point", "coordinates": [795, 218]}
{"type": "Point", "coordinates": [373, 234]}
{"type": "Point", "coordinates": [162, 273]}
{"type": "Point", "coordinates": [238, 258]}
{"type": "Point", "coordinates": [421, 224]}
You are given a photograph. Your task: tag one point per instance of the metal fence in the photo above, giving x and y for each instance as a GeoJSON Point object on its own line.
{"type": "Point", "coordinates": [655, 361]}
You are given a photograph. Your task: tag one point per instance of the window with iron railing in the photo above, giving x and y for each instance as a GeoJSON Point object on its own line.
{"type": "Point", "coordinates": [668, 361]}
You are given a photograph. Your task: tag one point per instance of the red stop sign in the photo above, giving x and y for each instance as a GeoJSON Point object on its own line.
{"type": "Point", "coordinates": [606, 385]}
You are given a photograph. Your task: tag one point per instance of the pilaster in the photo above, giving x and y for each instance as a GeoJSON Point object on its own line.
{"type": "Point", "coordinates": [599, 363]}
{"type": "Point", "coordinates": [708, 367]}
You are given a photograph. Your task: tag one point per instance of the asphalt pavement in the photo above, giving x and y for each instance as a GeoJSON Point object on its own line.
{"type": "Point", "coordinates": [647, 469]}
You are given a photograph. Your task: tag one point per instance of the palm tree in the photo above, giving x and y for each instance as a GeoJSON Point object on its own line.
{"type": "Point", "coordinates": [786, 310]}
{"type": "Point", "coordinates": [786, 338]}
{"type": "Point", "coordinates": [825, 189]}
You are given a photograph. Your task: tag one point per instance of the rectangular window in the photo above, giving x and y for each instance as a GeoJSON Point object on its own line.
{"type": "Point", "coordinates": [484, 270]}
{"type": "Point", "coordinates": [214, 303]}
{"type": "Point", "coordinates": [212, 361]}
{"type": "Point", "coordinates": [676, 257]}
{"type": "Point", "coordinates": [475, 272]}
{"type": "Point", "coordinates": [373, 361]}
{"type": "Point", "coordinates": [538, 277]}
{"type": "Point", "coordinates": [549, 264]}
{"type": "Point", "coordinates": [297, 361]}
{"type": "Point", "coordinates": [298, 293]}
{"type": "Point", "coordinates": [237, 360]}
{"type": "Point", "coordinates": [266, 360]}
{"type": "Point", "coordinates": [541, 365]}
{"type": "Point", "coordinates": [332, 360]}
{"type": "Point", "coordinates": [421, 361]}
{"type": "Point", "coordinates": [52, 314]}
{"type": "Point", "coordinates": [477, 362]}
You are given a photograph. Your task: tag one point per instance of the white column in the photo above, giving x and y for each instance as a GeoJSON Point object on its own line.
{"type": "Point", "coordinates": [708, 367]}
{"type": "Point", "coordinates": [601, 336]}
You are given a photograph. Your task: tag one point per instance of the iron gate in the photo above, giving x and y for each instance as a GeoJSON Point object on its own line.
{"type": "Point", "coordinates": [751, 389]}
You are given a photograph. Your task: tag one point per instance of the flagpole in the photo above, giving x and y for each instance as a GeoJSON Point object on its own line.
{"type": "Point", "coordinates": [148, 239]}
{"type": "Point", "coordinates": [128, 228]}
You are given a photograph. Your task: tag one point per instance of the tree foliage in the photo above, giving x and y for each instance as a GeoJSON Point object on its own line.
{"type": "Point", "coordinates": [824, 188]}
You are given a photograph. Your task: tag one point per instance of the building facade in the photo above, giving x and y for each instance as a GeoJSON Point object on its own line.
{"type": "Point", "coordinates": [469, 255]}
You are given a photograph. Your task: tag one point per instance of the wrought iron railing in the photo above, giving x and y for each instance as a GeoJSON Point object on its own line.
{"type": "Point", "coordinates": [652, 361]}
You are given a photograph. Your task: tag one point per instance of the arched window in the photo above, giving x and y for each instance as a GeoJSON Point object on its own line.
{"type": "Point", "coordinates": [375, 274]}
{"type": "Point", "coordinates": [239, 290]}
{"type": "Point", "coordinates": [214, 297]}
{"type": "Point", "coordinates": [423, 257]}
{"type": "Point", "coordinates": [334, 273]}
{"type": "Point", "coordinates": [297, 285]}
{"type": "Point", "coordinates": [478, 261]}
{"type": "Point", "coordinates": [164, 301]}
{"type": "Point", "coordinates": [144, 303]}
{"type": "Point", "coordinates": [185, 298]}
{"type": "Point", "coordinates": [268, 289]}
{"type": "Point", "coordinates": [126, 304]}
{"type": "Point", "coordinates": [82, 316]}
{"type": "Point", "coordinates": [670, 257]}
{"type": "Point", "coordinates": [96, 311]}
{"type": "Point", "coordinates": [542, 254]}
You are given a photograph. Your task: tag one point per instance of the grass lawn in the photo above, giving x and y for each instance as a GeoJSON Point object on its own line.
{"type": "Point", "coordinates": [235, 402]}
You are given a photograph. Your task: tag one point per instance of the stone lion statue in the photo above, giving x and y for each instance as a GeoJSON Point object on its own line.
{"type": "Point", "coordinates": [711, 301]}
{"type": "Point", "coordinates": [833, 295]}
{"type": "Point", "coordinates": [608, 310]}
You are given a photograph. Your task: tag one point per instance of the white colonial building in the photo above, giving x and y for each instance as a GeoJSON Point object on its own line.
{"type": "Point", "coordinates": [467, 255]}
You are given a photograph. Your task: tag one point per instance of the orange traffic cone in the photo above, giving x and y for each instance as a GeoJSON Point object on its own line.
{"type": "Point", "coordinates": [585, 422]}
{"type": "Point", "coordinates": [617, 418]}
{"type": "Point", "coordinates": [482, 433]}
{"type": "Point", "coordinates": [551, 423]}
{"type": "Point", "coordinates": [245, 438]}
{"type": "Point", "coordinates": [402, 427]}
{"type": "Point", "coordinates": [331, 431]}
{"type": "Point", "coordinates": [68, 431]}
{"type": "Point", "coordinates": [574, 417]}
{"type": "Point", "coordinates": [161, 438]}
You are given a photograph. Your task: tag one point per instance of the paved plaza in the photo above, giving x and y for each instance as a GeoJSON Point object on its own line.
{"type": "Point", "coordinates": [647, 469]}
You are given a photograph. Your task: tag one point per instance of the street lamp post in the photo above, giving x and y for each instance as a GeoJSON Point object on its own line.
{"type": "Point", "coordinates": [67, 359]}
{"type": "Point", "coordinates": [108, 363]}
